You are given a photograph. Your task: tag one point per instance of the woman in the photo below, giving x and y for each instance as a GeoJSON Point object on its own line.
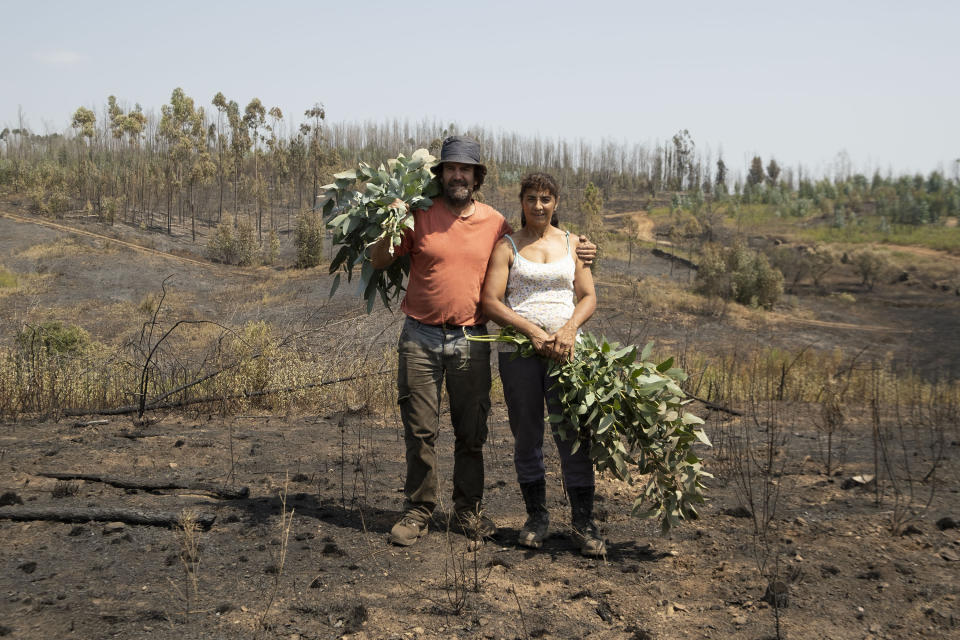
{"type": "Point", "coordinates": [536, 283]}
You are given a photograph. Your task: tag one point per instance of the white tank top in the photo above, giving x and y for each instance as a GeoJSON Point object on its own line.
{"type": "Point", "coordinates": [542, 292]}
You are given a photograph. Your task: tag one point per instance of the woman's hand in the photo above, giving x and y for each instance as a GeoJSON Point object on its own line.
{"type": "Point", "coordinates": [542, 342]}
{"type": "Point", "coordinates": [564, 341]}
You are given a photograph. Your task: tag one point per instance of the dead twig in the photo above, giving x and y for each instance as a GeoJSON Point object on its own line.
{"type": "Point", "coordinates": [236, 396]}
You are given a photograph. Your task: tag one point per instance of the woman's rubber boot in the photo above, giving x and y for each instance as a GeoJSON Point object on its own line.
{"type": "Point", "coordinates": [538, 520]}
{"type": "Point", "coordinates": [585, 532]}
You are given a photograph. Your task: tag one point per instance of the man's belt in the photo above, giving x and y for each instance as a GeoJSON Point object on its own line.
{"type": "Point", "coordinates": [446, 326]}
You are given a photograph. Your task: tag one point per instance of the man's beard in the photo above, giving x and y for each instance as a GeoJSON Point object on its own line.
{"type": "Point", "coordinates": [457, 193]}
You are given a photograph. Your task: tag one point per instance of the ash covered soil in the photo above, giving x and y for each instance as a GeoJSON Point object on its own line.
{"type": "Point", "coordinates": [845, 574]}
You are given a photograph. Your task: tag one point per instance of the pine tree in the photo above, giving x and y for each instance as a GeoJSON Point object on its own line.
{"type": "Point", "coordinates": [755, 175]}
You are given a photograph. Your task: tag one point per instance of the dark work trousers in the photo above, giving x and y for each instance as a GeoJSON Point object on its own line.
{"type": "Point", "coordinates": [427, 356]}
{"type": "Point", "coordinates": [526, 387]}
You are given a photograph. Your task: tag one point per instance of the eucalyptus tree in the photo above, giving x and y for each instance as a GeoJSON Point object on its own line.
{"type": "Point", "coordinates": [682, 160]}
{"type": "Point", "coordinates": [254, 117]}
{"type": "Point", "coordinates": [182, 126]}
{"type": "Point", "coordinates": [220, 102]}
{"type": "Point", "coordinates": [202, 167]}
{"type": "Point", "coordinates": [174, 121]}
{"type": "Point", "coordinates": [278, 159]}
{"type": "Point", "coordinates": [239, 145]}
{"type": "Point", "coordinates": [84, 121]}
{"type": "Point", "coordinates": [122, 125]}
{"type": "Point", "coordinates": [133, 127]}
{"type": "Point", "coordinates": [317, 114]}
{"type": "Point", "coordinates": [299, 163]}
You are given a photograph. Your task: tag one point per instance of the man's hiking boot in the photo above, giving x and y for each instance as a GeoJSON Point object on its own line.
{"type": "Point", "coordinates": [585, 532]}
{"type": "Point", "coordinates": [408, 530]}
{"type": "Point", "coordinates": [534, 530]}
{"type": "Point", "coordinates": [538, 519]}
{"type": "Point", "coordinates": [475, 525]}
{"type": "Point", "coordinates": [588, 537]}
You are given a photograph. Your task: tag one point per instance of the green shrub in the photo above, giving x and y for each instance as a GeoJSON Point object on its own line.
{"type": "Point", "coordinates": [53, 338]}
{"type": "Point", "coordinates": [220, 246]}
{"type": "Point", "coordinates": [246, 244]}
{"type": "Point", "coordinates": [37, 201]}
{"type": "Point", "coordinates": [308, 239]}
{"type": "Point", "coordinates": [109, 207]}
{"type": "Point", "coordinates": [803, 262]}
{"type": "Point", "coordinates": [58, 202]}
{"type": "Point", "coordinates": [233, 243]}
{"type": "Point", "coordinates": [871, 266]}
{"type": "Point", "coordinates": [272, 248]}
{"type": "Point", "coordinates": [8, 279]}
{"type": "Point", "coordinates": [739, 273]}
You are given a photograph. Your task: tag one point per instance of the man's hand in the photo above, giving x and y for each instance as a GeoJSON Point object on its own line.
{"type": "Point", "coordinates": [381, 253]}
{"type": "Point", "coordinates": [586, 251]}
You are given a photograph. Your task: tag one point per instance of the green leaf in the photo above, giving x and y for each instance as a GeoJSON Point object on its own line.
{"type": "Point", "coordinates": [665, 365]}
{"type": "Point", "coordinates": [605, 423]}
{"type": "Point", "coordinates": [338, 220]}
{"type": "Point", "coordinates": [647, 350]}
{"type": "Point", "coordinates": [647, 514]}
{"type": "Point", "coordinates": [702, 437]}
{"type": "Point", "coordinates": [622, 352]}
{"type": "Point", "coordinates": [335, 285]}
{"type": "Point", "coordinates": [341, 256]}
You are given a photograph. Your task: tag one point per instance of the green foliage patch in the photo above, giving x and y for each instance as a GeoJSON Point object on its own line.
{"type": "Point", "coordinates": [234, 243]}
{"type": "Point", "coordinates": [53, 338]}
{"type": "Point", "coordinates": [739, 273]}
{"type": "Point", "coordinates": [874, 230]}
{"type": "Point", "coordinates": [308, 239]}
{"type": "Point", "coordinates": [8, 279]}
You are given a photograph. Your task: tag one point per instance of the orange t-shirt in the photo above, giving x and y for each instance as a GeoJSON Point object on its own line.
{"type": "Point", "coordinates": [448, 260]}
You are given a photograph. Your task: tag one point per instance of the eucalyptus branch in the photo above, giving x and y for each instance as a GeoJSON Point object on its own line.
{"type": "Point", "coordinates": [359, 207]}
{"type": "Point", "coordinates": [629, 415]}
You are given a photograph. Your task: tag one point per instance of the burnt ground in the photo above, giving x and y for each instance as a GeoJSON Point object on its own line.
{"type": "Point", "coordinates": [845, 574]}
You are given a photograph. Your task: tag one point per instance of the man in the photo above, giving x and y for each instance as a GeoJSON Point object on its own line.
{"type": "Point", "coordinates": [448, 248]}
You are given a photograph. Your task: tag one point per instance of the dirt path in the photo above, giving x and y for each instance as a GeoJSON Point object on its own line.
{"type": "Point", "coordinates": [787, 319]}
{"type": "Point", "coordinates": [926, 252]}
{"type": "Point", "coordinates": [644, 223]}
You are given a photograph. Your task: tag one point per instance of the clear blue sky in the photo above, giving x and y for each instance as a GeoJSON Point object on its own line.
{"type": "Point", "coordinates": [801, 82]}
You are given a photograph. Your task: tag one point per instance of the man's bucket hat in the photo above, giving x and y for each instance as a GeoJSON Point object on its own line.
{"type": "Point", "coordinates": [459, 149]}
